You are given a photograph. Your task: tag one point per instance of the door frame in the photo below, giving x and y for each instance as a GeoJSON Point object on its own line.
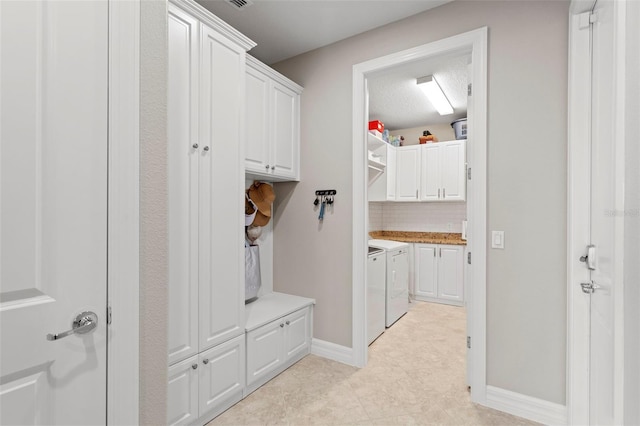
{"type": "Point", "coordinates": [474, 42]}
{"type": "Point", "coordinates": [123, 213]}
{"type": "Point", "coordinates": [578, 211]}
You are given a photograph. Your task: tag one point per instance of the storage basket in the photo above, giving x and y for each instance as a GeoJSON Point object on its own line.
{"type": "Point", "coordinates": [460, 128]}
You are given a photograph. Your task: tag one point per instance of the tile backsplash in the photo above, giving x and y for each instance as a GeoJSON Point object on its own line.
{"type": "Point", "coordinates": [418, 217]}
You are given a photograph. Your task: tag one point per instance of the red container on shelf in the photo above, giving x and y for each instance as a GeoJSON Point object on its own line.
{"type": "Point", "coordinates": [376, 125]}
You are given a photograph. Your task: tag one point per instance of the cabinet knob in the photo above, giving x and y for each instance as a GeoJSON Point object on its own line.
{"type": "Point", "coordinates": [205, 361]}
{"type": "Point", "coordinates": [194, 366]}
{"type": "Point", "coordinates": [206, 148]}
{"type": "Point", "coordinates": [281, 325]}
{"type": "Point", "coordinates": [266, 167]}
{"type": "Point", "coordinates": [273, 167]}
{"type": "Point", "coordinates": [195, 146]}
{"type": "Point", "coordinates": [287, 323]}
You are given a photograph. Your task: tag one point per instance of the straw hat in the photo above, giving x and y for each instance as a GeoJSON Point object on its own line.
{"type": "Point", "coordinates": [262, 196]}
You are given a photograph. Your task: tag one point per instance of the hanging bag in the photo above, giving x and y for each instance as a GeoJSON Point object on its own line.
{"type": "Point", "coordinates": [252, 279]}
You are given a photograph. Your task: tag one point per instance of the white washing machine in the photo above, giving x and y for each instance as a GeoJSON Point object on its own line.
{"type": "Point", "coordinates": [397, 282]}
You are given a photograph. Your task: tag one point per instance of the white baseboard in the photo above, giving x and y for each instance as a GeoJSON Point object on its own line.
{"type": "Point", "coordinates": [527, 407]}
{"type": "Point", "coordinates": [332, 351]}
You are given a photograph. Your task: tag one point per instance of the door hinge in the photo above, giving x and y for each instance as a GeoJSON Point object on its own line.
{"type": "Point", "coordinates": [586, 19]}
{"type": "Point", "coordinates": [469, 89]}
{"type": "Point", "coordinates": [109, 314]}
{"type": "Point", "coordinates": [469, 173]}
{"type": "Point", "coordinates": [469, 258]}
{"type": "Point", "coordinates": [468, 342]}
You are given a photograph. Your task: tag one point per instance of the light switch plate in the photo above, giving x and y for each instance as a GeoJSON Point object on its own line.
{"type": "Point", "coordinates": [497, 239]}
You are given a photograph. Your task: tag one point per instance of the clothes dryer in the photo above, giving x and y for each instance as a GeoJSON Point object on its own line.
{"type": "Point", "coordinates": [397, 278]}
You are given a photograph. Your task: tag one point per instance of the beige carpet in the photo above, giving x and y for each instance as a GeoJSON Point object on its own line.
{"type": "Point", "coordinates": [415, 376]}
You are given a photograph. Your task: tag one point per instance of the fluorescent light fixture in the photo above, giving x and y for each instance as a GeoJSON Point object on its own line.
{"type": "Point", "coordinates": [436, 96]}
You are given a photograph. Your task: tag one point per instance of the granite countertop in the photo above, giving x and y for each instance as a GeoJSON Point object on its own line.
{"type": "Point", "coordinates": [420, 237]}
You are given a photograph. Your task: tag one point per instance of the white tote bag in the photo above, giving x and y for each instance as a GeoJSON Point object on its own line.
{"type": "Point", "coordinates": [252, 280]}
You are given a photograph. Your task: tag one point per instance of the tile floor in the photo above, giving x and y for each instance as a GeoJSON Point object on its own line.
{"type": "Point", "coordinates": [415, 376]}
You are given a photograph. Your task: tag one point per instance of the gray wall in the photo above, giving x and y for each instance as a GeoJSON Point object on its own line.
{"type": "Point", "coordinates": [153, 213]}
{"type": "Point", "coordinates": [526, 285]}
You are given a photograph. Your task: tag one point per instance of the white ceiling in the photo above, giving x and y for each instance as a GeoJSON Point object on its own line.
{"type": "Point", "coordinates": [396, 100]}
{"type": "Point", "coordinates": [286, 28]}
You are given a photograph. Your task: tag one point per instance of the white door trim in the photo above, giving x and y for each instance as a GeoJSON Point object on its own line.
{"type": "Point", "coordinates": [578, 211]}
{"type": "Point", "coordinates": [475, 42]}
{"type": "Point", "coordinates": [123, 212]}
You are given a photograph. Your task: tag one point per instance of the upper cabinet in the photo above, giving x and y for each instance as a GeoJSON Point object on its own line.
{"type": "Point", "coordinates": [408, 173]}
{"type": "Point", "coordinates": [428, 172]}
{"type": "Point", "coordinates": [272, 150]}
{"type": "Point", "coordinates": [443, 172]}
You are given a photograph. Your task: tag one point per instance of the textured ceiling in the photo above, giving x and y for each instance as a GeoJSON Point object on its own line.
{"type": "Point", "coordinates": [286, 28]}
{"type": "Point", "coordinates": [396, 100]}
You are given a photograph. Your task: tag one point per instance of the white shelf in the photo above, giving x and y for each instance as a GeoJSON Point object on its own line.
{"type": "Point", "coordinates": [374, 142]}
{"type": "Point", "coordinates": [272, 306]}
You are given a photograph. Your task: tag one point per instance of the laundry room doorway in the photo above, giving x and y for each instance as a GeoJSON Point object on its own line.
{"type": "Point", "coordinates": [474, 44]}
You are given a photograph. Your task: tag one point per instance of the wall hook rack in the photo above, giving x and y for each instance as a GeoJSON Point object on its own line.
{"type": "Point", "coordinates": [324, 197]}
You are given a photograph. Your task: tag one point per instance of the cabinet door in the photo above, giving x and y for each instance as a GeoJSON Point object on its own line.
{"type": "Point", "coordinates": [285, 140]}
{"type": "Point", "coordinates": [297, 333]}
{"type": "Point", "coordinates": [450, 269]}
{"type": "Point", "coordinates": [221, 377]}
{"type": "Point", "coordinates": [430, 174]}
{"type": "Point", "coordinates": [426, 270]}
{"type": "Point", "coordinates": [264, 350]}
{"type": "Point", "coordinates": [182, 407]}
{"type": "Point", "coordinates": [453, 175]}
{"type": "Point", "coordinates": [221, 191]}
{"type": "Point", "coordinates": [182, 168]}
{"type": "Point", "coordinates": [256, 156]}
{"type": "Point", "coordinates": [407, 173]}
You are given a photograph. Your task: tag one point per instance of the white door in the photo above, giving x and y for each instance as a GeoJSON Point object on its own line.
{"type": "Point", "coordinates": [603, 224]}
{"type": "Point", "coordinates": [407, 173]}
{"type": "Point", "coordinates": [285, 131]}
{"type": "Point", "coordinates": [452, 166]}
{"type": "Point", "coordinates": [430, 176]}
{"type": "Point", "coordinates": [426, 270]}
{"type": "Point", "coordinates": [182, 158]}
{"type": "Point", "coordinates": [256, 155]}
{"type": "Point", "coordinates": [53, 222]}
{"type": "Point", "coordinates": [221, 190]}
{"type": "Point", "coordinates": [450, 269]}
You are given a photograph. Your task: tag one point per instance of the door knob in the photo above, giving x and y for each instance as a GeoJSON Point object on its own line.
{"type": "Point", "coordinates": [83, 323]}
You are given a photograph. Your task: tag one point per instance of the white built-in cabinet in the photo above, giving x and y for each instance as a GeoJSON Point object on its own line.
{"type": "Point", "coordinates": [443, 171]}
{"type": "Point", "coordinates": [206, 68]}
{"type": "Point", "coordinates": [207, 383]}
{"type": "Point", "coordinates": [273, 124]}
{"type": "Point", "coordinates": [408, 169]}
{"type": "Point", "coordinates": [438, 273]}
{"type": "Point", "coordinates": [279, 328]}
{"type": "Point", "coordinates": [431, 172]}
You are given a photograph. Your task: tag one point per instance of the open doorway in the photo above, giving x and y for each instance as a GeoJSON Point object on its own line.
{"type": "Point", "coordinates": [471, 45]}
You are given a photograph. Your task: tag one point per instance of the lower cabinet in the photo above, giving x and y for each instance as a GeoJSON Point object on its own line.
{"type": "Point", "coordinates": [275, 346]}
{"type": "Point", "coordinates": [203, 386]}
{"type": "Point", "coordinates": [438, 273]}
